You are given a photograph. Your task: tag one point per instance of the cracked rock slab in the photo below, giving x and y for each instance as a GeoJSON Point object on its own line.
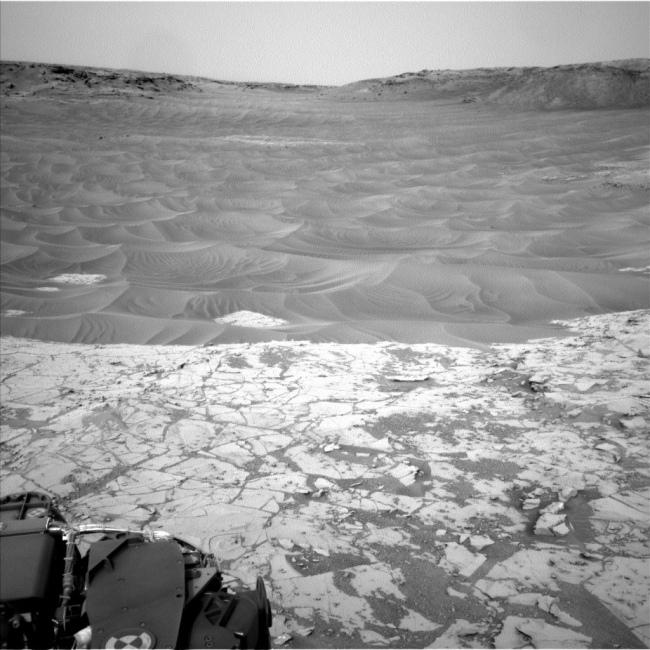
{"type": "Point", "coordinates": [373, 515]}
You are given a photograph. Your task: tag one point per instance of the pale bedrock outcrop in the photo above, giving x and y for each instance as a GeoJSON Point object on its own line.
{"type": "Point", "coordinates": [379, 511]}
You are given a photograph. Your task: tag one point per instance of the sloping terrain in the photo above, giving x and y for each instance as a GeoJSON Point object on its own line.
{"type": "Point", "coordinates": [615, 84]}
{"type": "Point", "coordinates": [23, 78]}
{"type": "Point", "coordinates": [611, 84]}
{"type": "Point", "coordinates": [20, 78]}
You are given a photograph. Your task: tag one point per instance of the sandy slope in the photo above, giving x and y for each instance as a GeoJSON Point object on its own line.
{"type": "Point", "coordinates": [142, 208]}
{"type": "Point", "coordinates": [611, 84]}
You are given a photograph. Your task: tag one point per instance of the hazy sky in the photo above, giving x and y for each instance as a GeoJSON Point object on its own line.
{"type": "Point", "coordinates": [320, 42]}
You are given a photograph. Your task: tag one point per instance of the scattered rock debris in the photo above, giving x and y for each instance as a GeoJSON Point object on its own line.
{"type": "Point", "coordinates": [455, 514]}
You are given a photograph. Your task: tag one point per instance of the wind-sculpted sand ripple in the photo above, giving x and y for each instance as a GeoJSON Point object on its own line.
{"type": "Point", "coordinates": [343, 221]}
{"type": "Point", "coordinates": [218, 266]}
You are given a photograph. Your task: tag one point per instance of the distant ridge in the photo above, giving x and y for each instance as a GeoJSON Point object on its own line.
{"type": "Point", "coordinates": [610, 84]}
{"type": "Point", "coordinates": [26, 78]}
{"type": "Point", "coordinates": [615, 84]}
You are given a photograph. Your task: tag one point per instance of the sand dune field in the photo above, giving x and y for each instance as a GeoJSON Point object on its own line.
{"type": "Point", "coordinates": [155, 213]}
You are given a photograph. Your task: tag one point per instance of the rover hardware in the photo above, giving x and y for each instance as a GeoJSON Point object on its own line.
{"type": "Point", "coordinates": [93, 586]}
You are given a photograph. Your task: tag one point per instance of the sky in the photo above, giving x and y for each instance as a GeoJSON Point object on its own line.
{"type": "Point", "coordinates": [324, 43]}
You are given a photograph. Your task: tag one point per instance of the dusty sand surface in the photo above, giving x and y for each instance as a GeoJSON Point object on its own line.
{"type": "Point", "coordinates": [390, 495]}
{"type": "Point", "coordinates": [148, 209]}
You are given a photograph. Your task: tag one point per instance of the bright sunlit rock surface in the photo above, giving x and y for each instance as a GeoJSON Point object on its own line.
{"type": "Point", "coordinates": [496, 497]}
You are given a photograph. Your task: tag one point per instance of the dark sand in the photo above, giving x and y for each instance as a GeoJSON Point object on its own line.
{"type": "Point", "coordinates": [142, 213]}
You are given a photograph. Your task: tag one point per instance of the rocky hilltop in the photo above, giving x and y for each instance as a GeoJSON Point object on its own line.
{"type": "Point", "coordinates": [18, 78]}
{"type": "Point", "coordinates": [612, 84]}
{"type": "Point", "coordinates": [24, 78]}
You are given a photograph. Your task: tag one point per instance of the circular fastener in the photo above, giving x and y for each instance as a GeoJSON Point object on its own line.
{"type": "Point", "coordinates": [131, 638]}
{"type": "Point", "coordinates": [143, 625]}
{"type": "Point", "coordinates": [35, 513]}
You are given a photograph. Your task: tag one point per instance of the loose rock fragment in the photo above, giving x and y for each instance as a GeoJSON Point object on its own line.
{"type": "Point", "coordinates": [563, 617]}
{"type": "Point", "coordinates": [480, 541]}
{"type": "Point", "coordinates": [636, 423]}
{"type": "Point", "coordinates": [415, 622]}
{"type": "Point", "coordinates": [372, 637]}
{"type": "Point", "coordinates": [521, 632]}
{"type": "Point", "coordinates": [456, 594]}
{"type": "Point", "coordinates": [321, 551]}
{"type": "Point", "coordinates": [282, 639]}
{"type": "Point", "coordinates": [566, 493]}
{"type": "Point", "coordinates": [413, 377]}
{"type": "Point", "coordinates": [458, 558]}
{"type": "Point", "coordinates": [553, 508]}
{"type": "Point", "coordinates": [561, 530]}
{"type": "Point", "coordinates": [404, 473]}
{"type": "Point", "coordinates": [461, 635]}
{"type": "Point", "coordinates": [286, 543]}
{"type": "Point", "coordinates": [547, 524]}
